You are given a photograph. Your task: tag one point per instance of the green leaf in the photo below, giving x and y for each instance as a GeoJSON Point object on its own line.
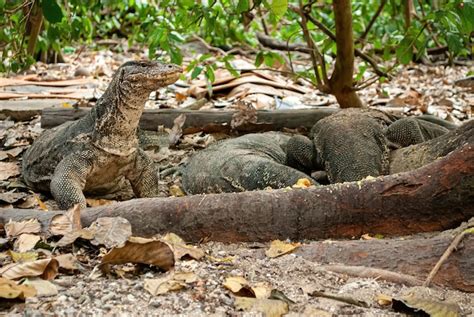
{"type": "Point", "coordinates": [210, 74]}
{"type": "Point", "coordinates": [176, 56]}
{"type": "Point", "coordinates": [231, 69]}
{"type": "Point", "coordinates": [454, 41]}
{"type": "Point", "coordinates": [196, 71]}
{"type": "Point", "coordinates": [405, 50]}
{"type": "Point", "coordinates": [243, 6]}
{"type": "Point", "coordinates": [279, 7]}
{"type": "Point", "coordinates": [259, 59]}
{"type": "Point", "coordinates": [51, 11]}
{"type": "Point", "coordinates": [2, 4]}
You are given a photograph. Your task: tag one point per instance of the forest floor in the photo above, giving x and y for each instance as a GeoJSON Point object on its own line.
{"type": "Point", "coordinates": [415, 89]}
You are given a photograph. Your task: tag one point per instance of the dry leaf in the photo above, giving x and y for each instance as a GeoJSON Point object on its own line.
{"type": "Point", "coordinates": [180, 248]}
{"type": "Point", "coordinates": [302, 183]}
{"type": "Point", "coordinates": [68, 262]}
{"type": "Point", "coordinates": [177, 129]}
{"type": "Point", "coordinates": [12, 197]}
{"type": "Point", "coordinates": [246, 114]}
{"type": "Point", "coordinates": [180, 97]}
{"type": "Point", "coordinates": [40, 203]}
{"type": "Point", "coordinates": [278, 248]}
{"type": "Point", "coordinates": [23, 257]}
{"type": "Point", "coordinates": [171, 282]}
{"type": "Point", "coordinates": [46, 269]}
{"type": "Point", "coordinates": [9, 289]}
{"type": "Point", "coordinates": [228, 259]}
{"type": "Point", "coordinates": [240, 287]}
{"type": "Point", "coordinates": [72, 236]}
{"type": "Point", "coordinates": [43, 288]}
{"type": "Point", "coordinates": [173, 238]}
{"type": "Point", "coordinates": [384, 300]}
{"type": "Point", "coordinates": [235, 283]}
{"type": "Point", "coordinates": [8, 170]}
{"type": "Point", "coordinates": [432, 307]}
{"type": "Point", "coordinates": [67, 222]}
{"type": "Point", "coordinates": [269, 307]}
{"type": "Point", "coordinates": [176, 191]}
{"type": "Point", "coordinates": [26, 242]}
{"type": "Point", "coordinates": [150, 252]}
{"type": "Point", "coordinates": [99, 202]}
{"type": "Point", "coordinates": [14, 228]}
{"type": "Point", "coordinates": [112, 232]}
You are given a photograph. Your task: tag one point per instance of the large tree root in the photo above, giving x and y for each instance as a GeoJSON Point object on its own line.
{"type": "Point", "coordinates": [435, 197]}
{"type": "Point", "coordinates": [415, 257]}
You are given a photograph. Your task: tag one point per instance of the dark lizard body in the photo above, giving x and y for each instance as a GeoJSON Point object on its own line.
{"type": "Point", "coordinates": [355, 143]}
{"type": "Point", "coordinates": [249, 162]}
{"type": "Point", "coordinates": [97, 152]}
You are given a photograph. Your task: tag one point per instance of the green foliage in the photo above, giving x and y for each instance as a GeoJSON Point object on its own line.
{"type": "Point", "coordinates": [51, 11]}
{"type": "Point", "coordinates": [163, 28]}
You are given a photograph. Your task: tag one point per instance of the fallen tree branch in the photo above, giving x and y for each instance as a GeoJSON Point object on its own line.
{"type": "Point", "coordinates": [368, 272]}
{"type": "Point", "coordinates": [408, 261]}
{"type": "Point", "coordinates": [437, 196]}
{"type": "Point", "coordinates": [207, 121]}
{"type": "Point", "coordinates": [454, 244]}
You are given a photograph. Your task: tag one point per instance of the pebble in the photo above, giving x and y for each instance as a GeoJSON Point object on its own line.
{"type": "Point", "coordinates": [75, 292]}
{"type": "Point", "coordinates": [81, 71]}
{"type": "Point", "coordinates": [107, 297]}
{"type": "Point", "coordinates": [155, 302]}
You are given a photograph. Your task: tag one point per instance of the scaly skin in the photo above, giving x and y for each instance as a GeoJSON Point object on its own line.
{"type": "Point", "coordinates": [249, 162]}
{"type": "Point", "coordinates": [97, 152]}
{"type": "Point", "coordinates": [354, 143]}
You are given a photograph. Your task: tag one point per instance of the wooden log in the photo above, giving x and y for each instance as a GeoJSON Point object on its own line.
{"type": "Point", "coordinates": [207, 121]}
{"type": "Point", "coordinates": [435, 197]}
{"type": "Point", "coordinates": [415, 257]}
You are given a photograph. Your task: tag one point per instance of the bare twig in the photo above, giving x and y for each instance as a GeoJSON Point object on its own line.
{"type": "Point", "coordinates": [344, 299]}
{"type": "Point", "coordinates": [316, 57]}
{"type": "Point", "coordinates": [454, 244]}
{"type": "Point", "coordinates": [428, 27]}
{"type": "Point", "coordinates": [372, 21]}
{"type": "Point", "coordinates": [209, 47]}
{"type": "Point", "coordinates": [369, 272]}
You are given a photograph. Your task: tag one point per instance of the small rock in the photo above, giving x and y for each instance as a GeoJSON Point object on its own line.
{"type": "Point", "coordinates": [81, 72]}
{"type": "Point", "coordinates": [154, 302]}
{"type": "Point", "coordinates": [107, 297]}
{"type": "Point", "coordinates": [75, 292]}
{"type": "Point", "coordinates": [84, 299]}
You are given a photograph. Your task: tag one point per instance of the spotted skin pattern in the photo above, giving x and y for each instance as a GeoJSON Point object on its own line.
{"type": "Point", "coordinates": [99, 152]}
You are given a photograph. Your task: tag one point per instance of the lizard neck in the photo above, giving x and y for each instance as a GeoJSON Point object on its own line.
{"type": "Point", "coordinates": [117, 114]}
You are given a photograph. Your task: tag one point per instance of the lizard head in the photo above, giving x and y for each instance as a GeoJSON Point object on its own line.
{"type": "Point", "coordinates": [148, 75]}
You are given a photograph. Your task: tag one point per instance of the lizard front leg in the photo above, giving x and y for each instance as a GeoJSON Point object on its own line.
{"type": "Point", "coordinates": [69, 180]}
{"type": "Point", "coordinates": [143, 176]}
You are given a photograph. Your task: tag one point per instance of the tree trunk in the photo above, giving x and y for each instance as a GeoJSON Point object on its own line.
{"type": "Point", "coordinates": [341, 80]}
{"type": "Point", "coordinates": [435, 197]}
{"type": "Point", "coordinates": [408, 10]}
{"type": "Point", "coordinates": [35, 22]}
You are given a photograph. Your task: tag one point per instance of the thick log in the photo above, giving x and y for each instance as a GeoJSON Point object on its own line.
{"type": "Point", "coordinates": [435, 197]}
{"type": "Point", "coordinates": [415, 257]}
{"type": "Point", "coordinates": [207, 121]}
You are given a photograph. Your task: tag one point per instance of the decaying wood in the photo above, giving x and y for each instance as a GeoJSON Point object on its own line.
{"type": "Point", "coordinates": [207, 121]}
{"type": "Point", "coordinates": [414, 257]}
{"type": "Point", "coordinates": [435, 197]}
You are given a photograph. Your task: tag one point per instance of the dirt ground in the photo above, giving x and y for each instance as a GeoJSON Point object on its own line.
{"type": "Point", "coordinates": [415, 89]}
